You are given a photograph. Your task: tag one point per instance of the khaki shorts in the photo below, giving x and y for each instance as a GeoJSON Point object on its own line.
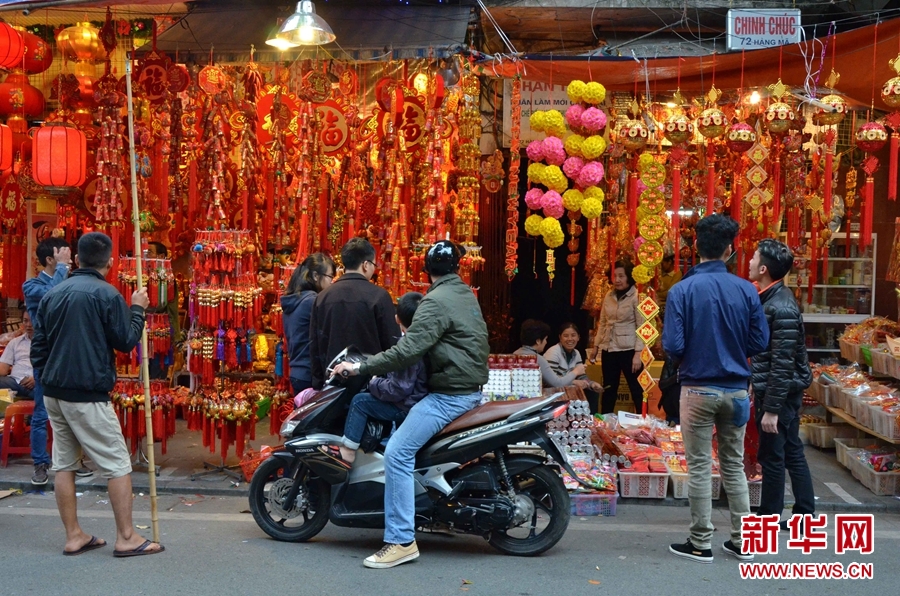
{"type": "Point", "coordinates": [91, 428]}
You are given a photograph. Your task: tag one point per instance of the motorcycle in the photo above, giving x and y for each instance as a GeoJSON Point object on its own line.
{"type": "Point", "coordinates": [467, 480]}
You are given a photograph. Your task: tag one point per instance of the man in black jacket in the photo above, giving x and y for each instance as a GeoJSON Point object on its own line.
{"type": "Point", "coordinates": [79, 325]}
{"type": "Point", "coordinates": [779, 377]}
{"type": "Point", "coordinates": [352, 311]}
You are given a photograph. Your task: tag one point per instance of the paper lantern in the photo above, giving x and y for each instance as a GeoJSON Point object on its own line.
{"type": "Point", "coordinates": [633, 135]}
{"type": "Point", "coordinates": [81, 42]}
{"type": "Point", "coordinates": [779, 117]}
{"type": "Point", "coordinates": [837, 109]}
{"type": "Point", "coordinates": [12, 47]}
{"type": "Point", "coordinates": [871, 137]}
{"type": "Point", "coordinates": [6, 147]}
{"type": "Point", "coordinates": [59, 157]}
{"type": "Point", "coordinates": [712, 123]}
{"type": "Point", "coordinates": [678, 129]}
{"type": "Point", "coordinates": [38, 54]}
{"type": "Point", "coordinates": [740, 137]}
{"type": "Point", "coordinates": [18, 96]}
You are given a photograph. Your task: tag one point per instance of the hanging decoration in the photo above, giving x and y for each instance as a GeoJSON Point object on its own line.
{"type": "Point", "coordinates": [512, 202]}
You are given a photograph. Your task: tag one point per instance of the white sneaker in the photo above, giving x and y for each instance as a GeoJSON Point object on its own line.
{"type": "Point", "coordinates": [392, 555]}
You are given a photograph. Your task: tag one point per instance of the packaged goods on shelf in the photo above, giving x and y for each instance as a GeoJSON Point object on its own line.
{"type": "Point", "coordinates": [511, 376]}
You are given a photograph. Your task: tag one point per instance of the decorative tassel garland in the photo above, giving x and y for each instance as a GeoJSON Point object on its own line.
{"type": "Point", "coordinates": [710, 179]}
{"type": "Point", "coordinates": [632, 203]}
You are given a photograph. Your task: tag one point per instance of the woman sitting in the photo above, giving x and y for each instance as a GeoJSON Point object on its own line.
{"type": "Point", "coordinates": [534, 335]}
{"type": "Point", "coordinates": [564, 357]}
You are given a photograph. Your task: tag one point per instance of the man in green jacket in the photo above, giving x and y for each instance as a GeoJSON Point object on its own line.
{"type": "Point", "coordinates": [449, 328]}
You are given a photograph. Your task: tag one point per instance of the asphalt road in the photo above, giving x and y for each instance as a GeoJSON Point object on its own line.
{"type": "Point", "coordinates": [214, 547]}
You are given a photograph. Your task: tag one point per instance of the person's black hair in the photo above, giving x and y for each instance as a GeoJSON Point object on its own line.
{"type": "Point", "coordinates": [94, 250]}
{"type": "Point", "coordinates": [303, 279]}
{"type": "Point", "coordinates": [356, 252]}
{"type": "Point", "coordinates": [568, 325]}
{"type": "Point", "coordinates": [533, 331]}
{"type": "Point", "coordinates": [628, 268]}
{"type": "Point", "coordinates": [161, 250]}
{"type": "Point", "coordinates": [715, 233]}
{"type": "Point", "coordinates": [45, 249]}
{"type": "Point", "coordinates": [669, 257]}
{"type": "Point", "coordinates": [406, 307]}
{"type": "Point", "coordinates": [776, 256]}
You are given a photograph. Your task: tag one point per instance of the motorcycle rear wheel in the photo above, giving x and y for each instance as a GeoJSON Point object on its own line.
{"type": "Point", "coordinates": [551, 507]}
{"type": "Point", "coordinates": [308, 513]}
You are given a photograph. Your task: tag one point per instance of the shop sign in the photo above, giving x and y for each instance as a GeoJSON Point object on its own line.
{"type": "Point", "coordinates": [754, 29]}
{"type": "Point", "coordinates": [535, 96]}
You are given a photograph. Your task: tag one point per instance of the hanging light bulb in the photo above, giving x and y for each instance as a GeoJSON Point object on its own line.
{"type": "Point", "coordinates": [305, 27]}
{"type": "Point", "coordinates": [279, 44]}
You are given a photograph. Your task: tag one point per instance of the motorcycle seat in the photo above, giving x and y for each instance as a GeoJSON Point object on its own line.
{"type": "Point", "coordinates": [492, 411]}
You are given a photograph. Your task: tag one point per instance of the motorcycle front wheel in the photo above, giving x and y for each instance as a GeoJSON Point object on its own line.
{"type": "Point", "coordinates": [297, 521]}
{"type": "Point", "coordinates": [548, 521]}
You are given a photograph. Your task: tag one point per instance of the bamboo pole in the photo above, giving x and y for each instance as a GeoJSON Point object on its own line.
{"type": "Point", "coordinates": [139, 259]}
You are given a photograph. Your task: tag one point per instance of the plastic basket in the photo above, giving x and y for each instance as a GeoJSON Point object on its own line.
{"type": "Point", "coordinates": [880, 362]}
{"type": "Point", "coordinates": [844, 446]}
{"type": "Point", "coordinates": [585, 504]}
{"type": "Point", "coordinates": [755, 491]}
{"type": "Point", "coordinates": [886, 424]}
{"type": "Point", "coordinates": [680, 485]}
{"type": "Point", "coordinates": [823, 435]}
{"type": "Point", "coordinates": [883, 484]}
{"type": "Point", "coordinates": [643, 485]}
{"type": "Point", "coordinates": [833, 395]}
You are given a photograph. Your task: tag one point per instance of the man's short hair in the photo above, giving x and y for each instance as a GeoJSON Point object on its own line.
{"type": "Point", "coordinates": [533, 331]}
{"type": "Point", "coordinates": [355, 252]}
{"type": "Point", "coordinates": [94, 250]}
{"type": "Point", "coordinates": [406, 307]}
{"type": "Point", "coordinates": [159, 248]}
{"type": "Point", "coordinates": [776, 256]}
{"type": "Point", "coordinates": [45, 249]}
{"type": "Point", "coordinates": [715, 233]}
{"type": "Point", "coordinates": [669, 257]}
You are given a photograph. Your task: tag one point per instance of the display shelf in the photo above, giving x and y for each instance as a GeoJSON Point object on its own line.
{"type": "Point", "coordinates": [839, 286]}
{"type": "Point", "coordinates": [838, 319]}
{"type": "Point", "coordinates": [831, 410]}
{"type": "Point", "coordinates": [823, 349]}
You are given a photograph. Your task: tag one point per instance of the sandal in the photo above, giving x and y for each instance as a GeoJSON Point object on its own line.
{"type": "Point", "coordinates": [92, 544]}
{"type": "Point", "coordinates": [139, 551]}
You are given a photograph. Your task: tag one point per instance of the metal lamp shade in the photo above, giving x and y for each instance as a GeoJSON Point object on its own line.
{"type": "Point", "coordinates": [305, 27]}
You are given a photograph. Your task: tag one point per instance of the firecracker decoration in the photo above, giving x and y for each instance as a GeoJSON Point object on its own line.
{"type": "Point", "coordinates": [110, 154]}
{"type": "Point", "coordinates": [511, 265]}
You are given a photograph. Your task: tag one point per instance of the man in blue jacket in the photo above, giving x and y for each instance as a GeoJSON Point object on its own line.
{"type": "Point", "coordinates": [714, 323]}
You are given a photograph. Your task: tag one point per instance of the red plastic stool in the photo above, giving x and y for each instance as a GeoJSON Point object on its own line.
{"type": "Point", "coordinates": [17, 434]}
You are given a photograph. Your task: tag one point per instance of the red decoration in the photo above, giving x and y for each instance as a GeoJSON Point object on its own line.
{"type": "Point", "coordinates": [18, 96]}
{"type": "Point", "coordinates": [12, 47]}
{"type": "Point", "coordinates": [59, 156]}
{"type": "Point", "coordinates": [893, 121]}
{"type": "Point", "coordinates": [38, 54]}
{"type": "Point", "coordinates": [869, 166]}
{"type": "Point", "coordinates": [6, 147]}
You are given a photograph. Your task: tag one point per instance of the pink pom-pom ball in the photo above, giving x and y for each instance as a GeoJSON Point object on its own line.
{"type": "Point", "coordinates": [637, 242]}
{"type": "Point", "coordinates": [573, 115]}
{"type": "Point", "coordinates": [554, 152]}
{"type": "Point", "coordinates": [572, 167]}
{"type": "Point", "coordinates": [533, 198]}
{"type": "Point", "coordinates": [535, 151]}
{"type": "Point", "coordinates": [591, 174]}
{"type": "Point", "coordinates": [641, 187]}
{"type": "Point", "coordinates": [593, 119]}
{"type": "Point", "coordinates": [552, 204]}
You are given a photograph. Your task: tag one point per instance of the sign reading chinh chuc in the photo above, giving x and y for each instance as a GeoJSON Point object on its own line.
{"type": "Point", "coordinates": [535, 96]}
{"type": "Point", "coordinates": [762, 28]}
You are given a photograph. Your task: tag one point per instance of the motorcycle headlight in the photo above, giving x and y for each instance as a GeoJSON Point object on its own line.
{"type": "Point", "coordinates": [287, 428]}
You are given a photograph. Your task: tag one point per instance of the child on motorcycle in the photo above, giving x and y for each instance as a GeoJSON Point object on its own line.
{"type": "Point", "coordinates": [390, 397]}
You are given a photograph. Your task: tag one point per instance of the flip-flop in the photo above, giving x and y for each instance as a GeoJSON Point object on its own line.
{"type": "Point", "coordinates": [93, 543]}
{"type": "Point", "coordinates": [139, 551]}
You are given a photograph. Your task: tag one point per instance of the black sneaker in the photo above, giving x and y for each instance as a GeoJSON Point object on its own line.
{"type": "Point", "coordinates": [689, 551]}
{"type": "Point", "coordinates": [731, 549]}
{"type": "Point", "coordinates": [84, 472]}
{"type": "Point", "coordinates": [40, 478]}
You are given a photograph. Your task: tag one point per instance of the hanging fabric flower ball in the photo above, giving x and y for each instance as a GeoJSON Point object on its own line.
{"type": "Point", "coordinates": [533, 225]}
{"type": "Point", "coordinates": [594, 192]}
{"type": "Point", "coordinates": [573, 115]}
{"type": "Point", "coordinates": [593, 119]}
{"type": "Point", "coordinates": [553, 150]}
{"type": "Point", "coordinates": [552, 203]}
{"type": "Point", "coordinates": [572, 166]}
{"type": "Point", "coordinates": [535, 171]}
{"type": "Point", "coordinates": [591, 174]}
{"type": "Point", "coordinates": [593, 147]}
{"type": "Point", "coordinates": [640, 186]}
{"type": "Point", "coordinates": [554, 120]}
{"type": "Point", "coordinates": [538, 121]}
{"type": "Point", "coordinates": [591, 208]}
{"type": "Point", "coordinates": [642, 274]}
{"type": "Point", "coordinates": [740, 137]}
{"type": "Point", "coordinates": [553, 178]}
{"type": "Point", "coordinates": [552, 232]}
{"type": "Point", "coordinates": [533, 198]}
{"type": "Point", "coordinates": [535, 151]}
{"type": "Point", "coordinates": [871, 137]}
{"type": "Point", "coordinates": [572, 199]}
{"type": "Point", "coordinates": [594, 93]}
{"type": "Point", "coordinates": [575, 91]}
{"type": "Point", "coordinates": [574, 144]}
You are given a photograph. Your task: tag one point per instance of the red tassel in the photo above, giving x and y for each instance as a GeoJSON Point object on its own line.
{"type": "Point", "coordinates": [192, 193]}
{"type": "Point", "coordinates": [710, 185]}
{"type": "Point", "coordinates": [676, 210]}
{"type": "Point", "coordinates": [892, 169]}
{"type": "Point", "coordinates": [632, 204]}
{"type": "Point", "coordinates": [737, 190]}
{"type": "Point", "coordinates": [572, 289]}
{"type": "Point", "coordinates": [829, 176]}
{"type": "Point", "coordinates": [776, 198]}
{"type": "Point", "coordinates": [865, 236]}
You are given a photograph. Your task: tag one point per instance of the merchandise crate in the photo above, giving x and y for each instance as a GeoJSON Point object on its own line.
{"type": "Point", "coordinates": [823, 435]}
{"type": "Point", "coordinates": [585, 504]}
{"type": "Point", "coordinates": [880, 363]}
{"type": "Point", "coordinates": [845, 447]}
{"type": "Point", "coordinates": [886, 424]}
{"type": "Point", "coordinates": [883, 484]}
{"type": "Point", "coordinates": [643, 485]}
{"type": "Point", "coordinates": [755, 491]}
{"type": "Point", "coordinates": [680, 485]}
{"type": "Point", "coordinates": [817, 391]}
{"type": "Point", "coordinates": [833, 395]}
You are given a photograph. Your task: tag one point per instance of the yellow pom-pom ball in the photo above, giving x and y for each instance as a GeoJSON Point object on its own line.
{"type": "Point", "coordinates": [533, 225]}
{"type": "Point", "coordinates": [591, 208]}
{"type": "Point", "coordinates": [572, 199]}
{"type": "Point", "coordinates": [535, 172]}
{"type": "Point", "coordinates": [554, 179]}
{"type": "Point", "coordinates": [554, 120]}
{"type": "Point", "coordinates": [575, 91]}
{"type": "Point", "coordinates": [551, 230]}
{"type": "Point", "coordinates": [554, 241]}
{"type": "Point", "coordinates": [573, 145]}
{"type": "Point", "coordinates": [556, 131]}
{"type": "Point", "coordinates": [594, 192]}
{"type": "Point", "coordinates": [645, 161]}
{"type": "Point", "coordinates": [642, 274]}
{"type": "Point", "coordinates": [538, 121]}
{"type": "Point", "coordinates": [594, 93]}
{"type": "Point", "coordinates": [593, 147]}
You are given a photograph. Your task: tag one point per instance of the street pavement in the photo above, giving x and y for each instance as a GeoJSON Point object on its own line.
{"type": "Point", "coordinates": [214, 547]}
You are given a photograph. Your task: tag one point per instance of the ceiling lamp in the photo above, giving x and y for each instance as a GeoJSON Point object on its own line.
{"type": "Point", "coordinates": [305, 27]}
{"type": "Point", "coordinates": [279, 44]}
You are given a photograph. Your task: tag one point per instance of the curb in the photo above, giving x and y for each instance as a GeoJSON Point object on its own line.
{"type": "Point", "coordinates": [161, 489]}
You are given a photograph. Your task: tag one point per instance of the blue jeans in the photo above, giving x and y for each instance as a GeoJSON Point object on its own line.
{"type": "Point", "coordinates": [701, 409]}
{"type": "Point", "coordinates": [424, 420]}
{"type": "Point", "coordinates": [363, 407]}
{"type": "Point", "coordinates": [39, 425]}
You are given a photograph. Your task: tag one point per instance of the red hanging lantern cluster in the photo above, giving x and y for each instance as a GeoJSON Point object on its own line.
{"type": "Point", "coordinates": [12, 47]}
{"type": "Point", "coordinates": [6, 147]}
{"type": "Point", "coordinates": [59, 157]}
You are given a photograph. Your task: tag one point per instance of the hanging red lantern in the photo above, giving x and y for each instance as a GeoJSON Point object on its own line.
{"type": "Point", "coordinates": [59, 157]}
{"type": "Point", "coordinates": [18, 96]}
{"type": "Point", "coordinates": [6, 147]}
{"type": "Point", "coordinates": [38, 54]}
{"type": "Point", "coordinates": [12, 47]}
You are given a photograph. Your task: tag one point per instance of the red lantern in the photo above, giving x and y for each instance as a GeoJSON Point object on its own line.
{"type": "Point", "coordinates": [59, 157]}
{"type": "Point", "coordinates": [12, 47]}
{"type": "Point", "coordinates": [18, 96]}
{"type": "Point", "coordinates": [38, 54]}
{"type": "Point", "coordinates": [6, 147]}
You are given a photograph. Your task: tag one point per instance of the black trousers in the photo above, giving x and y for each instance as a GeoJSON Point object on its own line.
{"type": "Point", "coordinates": [780, 452]}
{"type": "Point", "coordinates": [613, 365]}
